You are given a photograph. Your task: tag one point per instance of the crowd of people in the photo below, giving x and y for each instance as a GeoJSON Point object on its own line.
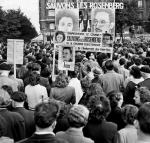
{"type": "Point", "coordinates": [103, 100]}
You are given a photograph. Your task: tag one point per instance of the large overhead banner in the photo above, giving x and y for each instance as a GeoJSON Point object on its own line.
{"type": "Point", "coordinates": [83, 26]}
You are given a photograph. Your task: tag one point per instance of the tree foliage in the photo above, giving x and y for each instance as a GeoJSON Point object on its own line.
{"type": "Point", "coordinates": [14, 24]}
{"type": "Point", "coordinates": [127, 16]}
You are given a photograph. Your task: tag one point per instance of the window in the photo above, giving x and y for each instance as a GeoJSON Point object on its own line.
{"type": "Point", "coordinates": [51, 12]}
{"type": "Point", "coordinates": [140, 3]}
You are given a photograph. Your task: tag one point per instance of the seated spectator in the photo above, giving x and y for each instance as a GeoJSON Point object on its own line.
{"type": "Point", "coordinates": [142, 95]}
{"type": "Point", "coordinates": [61, 91]}
{"type": "Point", "coordinates": [78, 117]}
{"type": "Point", "coordinates": [129, 133]}
{"type": "Point", "coordinates": [116, 101]}
{"type": "Point", "coordinates": [97, 128]}
{"type": "Point", "coordinates": [143, 123]}
{"type": "Point", "coordinates": [18, 99]}
{"type": "Point", "coordinates": [45, 116]}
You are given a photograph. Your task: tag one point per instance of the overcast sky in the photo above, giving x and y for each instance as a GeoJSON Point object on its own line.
{"type": "Point", "coordinates": [29, 7]}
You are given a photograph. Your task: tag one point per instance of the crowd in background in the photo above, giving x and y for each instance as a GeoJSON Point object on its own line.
{"type": "Point", "coordinates": [103, 100]}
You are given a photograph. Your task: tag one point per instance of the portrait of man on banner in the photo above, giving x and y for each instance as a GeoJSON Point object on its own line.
{"type": "Point", "coordinates": [103, 20]}
{"type": "Point", "coordinates": [66, 58]}
{"type": "Point", "coordinates": [67, 20]}
{"type": "Point", "coordinates": [107, 40]}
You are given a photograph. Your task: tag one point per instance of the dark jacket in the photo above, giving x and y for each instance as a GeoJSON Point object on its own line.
{"type": "Point", "coordinates": [46, 138]}
{"type": "Point", "coordinates": [105, 132]}
{"type": "Point", "coordinates": [14, 124]}
{"type": "Point", "coordinates": [28, 118]}
{"type": "Point", "coordinates": [66, 94]}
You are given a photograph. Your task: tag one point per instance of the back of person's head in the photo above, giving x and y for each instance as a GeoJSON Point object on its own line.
{"type": "Point", "coordinates": [88, 54]}
{"type": "Point", "coordinates": [46, 113]}
{"type": "Point", "coordinates": [109, 65]}
{"type": "Point", "coordinates": [143, 117]}
{"type": "Point", "coordinates": [135, 72]}
{"type": "Point", "coordinates": [85, 83]}
{"type": "Point", "coordinates": [129, 113]}
{"type": "Point", "coordinates": [78, 116]}
{"type": "Point", "coordinates": [137, 61]}
{"type": "Point", "coordinates": [29, 66]}
{"type": "Point", "coordinates": [36, 67]}
{"type": "Point", "coordinates": [61, 80]}
{"type": "Point", "coordinates": [95, 89]}
{"type": "Point", "coordinates": [5, 98]}
{"type": "Point", "coordinates": [72, 74]}
{"type": "Point", "coordinates": [8, 89]}
{"type": "Point", "coordinates": [34, 78]}
{"type": "Point", "coordinates": [114, 98]}
{"type": "Point", "coordinates": [128, 64]}
{"type": "Point", "coordinates": [39, 56]}
{"type": "Point", "coordinates": [122, 61]}
{"type": "Point", "coordinates": [99, 107]}
{"type": "Point", "coordinates": [144, 94]}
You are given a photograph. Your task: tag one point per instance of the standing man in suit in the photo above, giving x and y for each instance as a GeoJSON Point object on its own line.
{"type": "Point", "coordinates": [45, 116]}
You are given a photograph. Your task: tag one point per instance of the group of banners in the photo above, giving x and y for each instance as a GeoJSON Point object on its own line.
{"type": "Point", "coordinates": [82, 30]}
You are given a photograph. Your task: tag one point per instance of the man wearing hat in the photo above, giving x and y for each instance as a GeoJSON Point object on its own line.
{"type": "Point", "coordinates": [15, 125]}
{"type": "Point", "coordinates": [77, 118]}
{"type": "Point", "coordinates": [4, 79]}
{"type": "Point", "coordinates": [145, 70]}
{"type": "Point", "coordinates": [18, 99]}
{"type": "Point", "coordinates": [97, 72]}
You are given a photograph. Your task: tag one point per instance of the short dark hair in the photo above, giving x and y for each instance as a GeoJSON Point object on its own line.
{"type": "Point", "coordinates": [107, 34]}
{"type": "Point", "coordinates": [46, 113]}
{"type": "Point", "coordinates": [129, 113]}
{"type": "Point", "coordinates": [143, 116]}
{"type": "Point", "coordinates": [137, 61]}
{"type": "Point", "coordinates": [34, 78]}
{"type": "Point", "coordinates": [122, 61]}
{"type": "Point", "coordinates": [135, 72]}
{"type": "Point", "coordinates": [61, 33]}
{"type": "Point", "coordinates": [68, 48]}
{"type": "Point", "coordinates": [36, 67]}
{"type": "Point", "coordinates": [114, 98]}
{"type": "Point", "coordinates": [109, 65]}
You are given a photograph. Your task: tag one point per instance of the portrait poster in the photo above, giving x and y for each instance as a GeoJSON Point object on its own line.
{"type": "Point", "coordinates": [67, 20]}
{"type": "Point", "coordinates": [103, 20]}
{"type": "Point", "coordinates": [66, 57]}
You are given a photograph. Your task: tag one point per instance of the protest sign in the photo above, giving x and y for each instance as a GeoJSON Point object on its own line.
{"type": "Point", "coordinates": [66, 58]}
{"type": "Point", "coordinates": [15, 51]}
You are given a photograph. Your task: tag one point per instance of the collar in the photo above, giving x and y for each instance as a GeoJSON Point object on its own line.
{"type": "Point", "coordinates": [112, 71]}
{"type": "Point", "coordinates": [43, 133]}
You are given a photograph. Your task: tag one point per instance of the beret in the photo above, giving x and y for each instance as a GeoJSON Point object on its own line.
{"type": "Point", "coordinates": [5, 66]}
{"type": "Point", "coordinates": [19, 96]}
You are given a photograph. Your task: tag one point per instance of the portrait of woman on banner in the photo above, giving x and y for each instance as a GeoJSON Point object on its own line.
{"type": "Point", "coordinates": [59, 37]}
